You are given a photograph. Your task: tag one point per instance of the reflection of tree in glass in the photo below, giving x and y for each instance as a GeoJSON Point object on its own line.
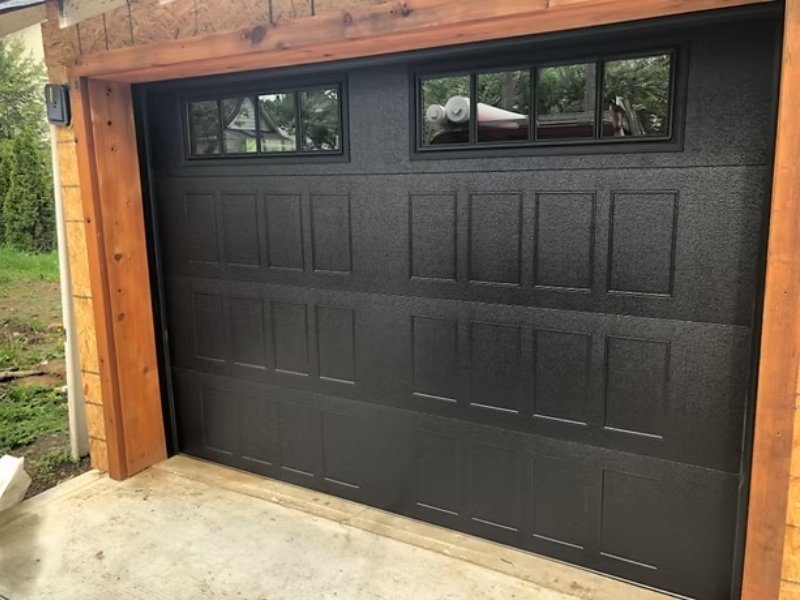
{"type": "Point", "coordinates": [277, 113]}
{"type": "Point", "coordinates": [205, 127]}
{"type": "Point", "coordinates": [510, 90]}
{"type": "Point", "coordinates": [320, 119]}
{"type": "Point", "coordinates": [566, 89]}
{"type": "Point", "coordinates": [644, 84]}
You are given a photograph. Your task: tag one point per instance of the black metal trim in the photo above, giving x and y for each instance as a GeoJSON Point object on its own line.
{"type": "Point", "coordinates": [144, 146]}
{"type": "Point", "coordinates": [674, 46]}
{"type": "Point", "coordinates": [748, 429]}
{"type": "Point", "coordinates": [255, 89]}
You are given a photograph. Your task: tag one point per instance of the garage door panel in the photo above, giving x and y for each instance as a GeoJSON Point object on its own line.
{"type": "Point", "coordinates": [638, 385]}
{"type": "Point", "coordinates": [667, 245]}
{"type": "Point", "coordinates": [564, 240]}
{"type": "Point", "coordinates": [562, 494]}
{"type": "Point", "coordinates": [331, 233]}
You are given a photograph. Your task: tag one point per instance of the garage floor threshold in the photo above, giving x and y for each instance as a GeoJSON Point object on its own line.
{"type": "Point", "coordinates": [190, 529]}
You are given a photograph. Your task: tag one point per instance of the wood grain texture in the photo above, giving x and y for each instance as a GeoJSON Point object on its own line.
{"type": "Point", "coordinates": [71, 201]}
{"type": "Point", "coordinates": [110, 455]}
{"type": "Point", "coordinates": [780, 342]}
{"type": "Point", "coordinates": [371, 30]}
{"type": "Point", "coordinates": [119, 28]}
{"type": "Point", "coordinates": [235, 15]}
{"type": "Point", "coordinates": [92, 35]}
{"type": "Point", "coordinates": [61, 46]}
{"type": "Point", "coordinates": [78, 258]}
{"type": "Point", "coordinates": [128, 278]}
{"type": "Point", "coordinates": [155, 22]}
{"type": "Point", "coordinates": [286, 10]}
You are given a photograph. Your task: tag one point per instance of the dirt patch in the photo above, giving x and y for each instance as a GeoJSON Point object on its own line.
{"type": "Point", "coordinates": [48, 463]}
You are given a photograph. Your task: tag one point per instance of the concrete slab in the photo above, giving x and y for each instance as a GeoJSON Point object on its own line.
{"type": "Point", "coordinates": [189, 529]}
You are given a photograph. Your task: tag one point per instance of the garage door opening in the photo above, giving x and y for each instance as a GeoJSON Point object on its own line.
{"type": "Point", "coordinates": [509, 293]}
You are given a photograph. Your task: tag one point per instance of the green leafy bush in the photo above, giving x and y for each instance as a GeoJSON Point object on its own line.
{"type": "Point", "coordinates": [27, 213]}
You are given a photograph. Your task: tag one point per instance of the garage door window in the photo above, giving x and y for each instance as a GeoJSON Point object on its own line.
{"type": "Point", "coordinates": [617, 100]}
{"type": "Point", "coordinates": [288, 122]}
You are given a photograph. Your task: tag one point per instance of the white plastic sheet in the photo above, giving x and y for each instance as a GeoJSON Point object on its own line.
{"type": "Point", "coordinates": [14, 481]}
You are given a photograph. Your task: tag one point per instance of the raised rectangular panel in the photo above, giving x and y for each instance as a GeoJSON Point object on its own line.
{"type": "Point", "coordinates": [630, 520]}
{"type": "Point", "coordinates": [220, 426]}
{"type": "Point", "coordinates": [435, 357]}
{"type": "Point", "coordinates": [437, 472]}
{"type": "Point", "coordinates": [284, 231]}
{"type": "Point", "coordinates": [560, 505]}
{"type": "Point", "coordinates": [495, 238]}
{"type": "Point", "coordinates": [342, 449]}
{"type": "Point", "coordinates": [290, 337]}
{"type": "Point", "coordinates": [331, 233]}
{"type": "Point", "coordinates": [209, 326]}
{"type": "Point", "coordinates": [336, 343]}
{"type": "Point", "coordinates": [494, 487]}
{"type": "Point", "coordinates": [432, 236]}
{"type": "Point", "coordinates": [298, 432]}
{"type": "Point", "coordinates": [636, 385]}
{"type": "Point", "coordinates": [258, 426]}
{"type": "Point", "coordinates": [642, 242]}
{"type": "Point", "coordinates": [561, 379]}
{"type": "Point", "coordinates": [247, 331]}
{"type": "Point", "coordinates": [240, 227]}
{"type": "Point", "coordinates": [201, 238]}
{"type": "Point", "coordinates": [564, 240]}
{"type": "Point", "coordinates": [495, 357]}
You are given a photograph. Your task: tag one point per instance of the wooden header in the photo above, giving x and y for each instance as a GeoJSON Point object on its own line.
{"type": "Point", "coordinates": [369, 31]}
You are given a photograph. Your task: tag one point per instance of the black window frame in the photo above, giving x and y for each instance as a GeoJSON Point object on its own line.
{"type": "Point", "coordinates": [676, 47]}
{"type": "Point", "coordinates": [254, 90]}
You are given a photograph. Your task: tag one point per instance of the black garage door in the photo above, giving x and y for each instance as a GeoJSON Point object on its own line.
{"type": "Point", "coordinates": [540, 335]}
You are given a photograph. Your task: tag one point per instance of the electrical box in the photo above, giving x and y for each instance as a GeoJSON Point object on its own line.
{"type": "Point", "coordinates": [57, 100]}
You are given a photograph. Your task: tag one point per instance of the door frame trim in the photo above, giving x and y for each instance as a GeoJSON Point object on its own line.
{"type": "Point", "coordinates": [113, 202]}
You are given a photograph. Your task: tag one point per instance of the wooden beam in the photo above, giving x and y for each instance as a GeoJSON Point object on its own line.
{"type": "Point", "coordinates": [95, 249]}
{"type": "Point", "coordinates": [129, 303]}
{"type": "Point", "coordinates": [780, 341]}
{"type": "Point", "coordinates": [380, 29]}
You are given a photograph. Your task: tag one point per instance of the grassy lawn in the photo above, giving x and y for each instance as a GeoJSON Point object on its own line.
{"type": "Point", "coordinates": [33, 410]}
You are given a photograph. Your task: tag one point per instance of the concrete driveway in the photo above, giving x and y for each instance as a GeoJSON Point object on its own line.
{"type": "Point", "coordinates": [189, 529]}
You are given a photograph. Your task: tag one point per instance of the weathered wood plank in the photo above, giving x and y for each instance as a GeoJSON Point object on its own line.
{"type": "Point", "coordinates": [780, 341]}
{"type": "Point", "coordinates": [110, 456]}
{"type": "Point", "coordinates": [373, 30]}
{"type": "Point", "coordinates": [128, 278]}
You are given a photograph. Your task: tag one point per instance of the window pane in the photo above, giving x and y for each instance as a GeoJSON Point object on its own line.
{"type": "Point", "coordinates": [321, 130]}
{"type": "Point", "coordinates": [636, 96]}
{"type": "Point", "coordinates": [566, 98]}
{"type": "Point", "coordinates": [278, 122]}
{"type": "Point", "coordinates": [204, 127]}
{"type": "Point", "coordinates": [445, 110]}
{"type": "Point", "coordinates": [504, 103]}
{"type": "Point", "coordinates": [239, 125]}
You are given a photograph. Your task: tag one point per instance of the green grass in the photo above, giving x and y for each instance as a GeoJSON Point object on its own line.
{"type": "Point", "coordinates": [47, 468]}
{"type": "Point", "coordinates": [27, 412]}
{"type": "Point", "coordinates": [16, 266]}
{"type": "Point", "coordinates": [26, 343]}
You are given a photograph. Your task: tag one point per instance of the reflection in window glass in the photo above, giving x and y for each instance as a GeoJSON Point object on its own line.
{"type": "Point", "coordinates": [566, 99]}
{"type": "Point", "coordinates": [320, 126]}
{"type": "Point", "coordinates": [204, 127]}
{"type": "Point", "coordinates": [504, 103]}
{"type": "Point", "coordinates": [278, 122]}
{"type": "Point", "coordinates": [636, 96]}
{"type": "Point", "coordinates": [239, 126]}
{"type": "Point", "coordinates": [445, 110]}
